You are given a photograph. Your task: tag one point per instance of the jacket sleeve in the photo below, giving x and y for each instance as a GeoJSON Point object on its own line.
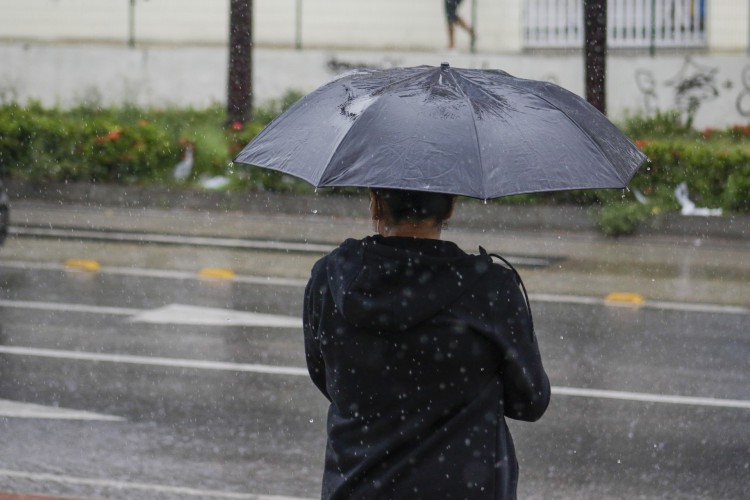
{"type": "Point", "coordinates": [315, 292]}
{"type": "Point", "coordinates": [526, 393]}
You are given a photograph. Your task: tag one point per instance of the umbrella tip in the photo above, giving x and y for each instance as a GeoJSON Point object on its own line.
{"type": "Point", "coordinates": [445, 65]}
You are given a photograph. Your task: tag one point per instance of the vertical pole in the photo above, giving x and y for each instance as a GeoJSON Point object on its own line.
{"type": "Point", "coordinates": [240, 81]}
{"type": "Point", "coordinates": [131, 24]}
{"type": "Point", "coordinates": [652, 44]}
{"type": "Point", "coordinates": [595, 49]}
{"type": "Point", "coordinates": [298, 26]}
{"type": "Point", "coordinates": [473, 47]}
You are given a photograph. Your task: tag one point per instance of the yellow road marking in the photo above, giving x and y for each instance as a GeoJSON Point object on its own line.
{"type": "Point", "coordinates": [83, 264]}
{"type": "Point", "coordinates": [624, 298]}
{"type": "Point", "coordinates": [217, 273]}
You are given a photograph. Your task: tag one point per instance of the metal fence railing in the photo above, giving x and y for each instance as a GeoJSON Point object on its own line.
{"type": "Point", "coordinates": [630, 23]}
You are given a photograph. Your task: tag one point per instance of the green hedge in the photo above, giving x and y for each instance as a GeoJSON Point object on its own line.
{"type": "Point", "coordinates": [52, 145]}
{"type": "Point", "coordinates": [714, 164]}
{"type": "Point", "coordinates": [125, 145]}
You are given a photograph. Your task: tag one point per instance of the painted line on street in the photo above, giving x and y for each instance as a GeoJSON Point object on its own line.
{"type": "Point", "coordinates": [15, 409]}
{"type": "Point", "coordinates": [294, 371]}
{"type": "Point", "coordinates": [129, 485]}
{"type": "Point", "coordinates": [179, 314]}
{"type": "Point", "coordinates": [153, 361]}
{"type": "Point", "coordinates": [171, 314]}
{"type": "Point", "coordinates": [651, 398]}
{"type": "Point", "coordinates": [155, 273]}
{"type": "Point", "coordinates": [166, 239]}
{"type": "Point", "coordinates": [67, 307]}
{"type": "Point", "coordinates": [648, 304]}
{"type": "Point", "coordinates": [190, 275]}
{"type": "Point", "coordinates": [4, 495]}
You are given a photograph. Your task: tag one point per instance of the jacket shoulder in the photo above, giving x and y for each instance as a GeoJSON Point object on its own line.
{"type": "Point", "coordinates": [319, 273]}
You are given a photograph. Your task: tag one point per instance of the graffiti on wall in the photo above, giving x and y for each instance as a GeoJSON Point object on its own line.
{"type": "Point", "coordinates": [691, 87]}
{"type": "Point", "coordinates": [743, 98]}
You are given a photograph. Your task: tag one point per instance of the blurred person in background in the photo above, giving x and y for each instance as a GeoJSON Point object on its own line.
{"type": "Point", "coordinates": [451, 13]}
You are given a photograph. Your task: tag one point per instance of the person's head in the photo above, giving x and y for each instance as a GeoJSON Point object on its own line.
{"type": "Point", "coordinates": [409, 213]}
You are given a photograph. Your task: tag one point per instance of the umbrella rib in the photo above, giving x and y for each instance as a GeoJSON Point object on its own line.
{"type": "Point", "coordinates": [476, 137]}
{"type": "Point", "coordinates": [416, 75]}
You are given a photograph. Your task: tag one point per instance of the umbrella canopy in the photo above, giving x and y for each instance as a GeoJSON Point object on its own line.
{"type": "Point", "coordinates": [469, 132]}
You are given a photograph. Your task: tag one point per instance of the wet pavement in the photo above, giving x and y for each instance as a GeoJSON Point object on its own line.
{"type": "Point", "coordinates": [688, 267]}
{"type": "Point", "coordinates": [647, 403]}
{"type": "Point", "coordinates": [650, 400]}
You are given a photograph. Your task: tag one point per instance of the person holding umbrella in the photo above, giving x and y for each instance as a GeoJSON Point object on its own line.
{"type": "Point", "coordinates": [421, 348]}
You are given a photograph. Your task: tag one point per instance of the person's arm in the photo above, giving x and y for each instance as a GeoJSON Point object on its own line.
{"type": "Point", "coordinates": [314, 292]}
{"type": "Point", "coordinates": [526, 393]}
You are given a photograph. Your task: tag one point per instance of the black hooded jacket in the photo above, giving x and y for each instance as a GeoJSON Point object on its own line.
{"type": "Point", "coordinates": [422, 350]}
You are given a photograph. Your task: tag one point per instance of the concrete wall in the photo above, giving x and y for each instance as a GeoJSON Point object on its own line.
{"type": "Point", "coordinates": [339, 24]}
{"type": "Point", "coordinates": [65, 75]}
{"type": "Point", "coordinates": [366, 24]}
{"type": "Point", "coordinates": [729, 24]}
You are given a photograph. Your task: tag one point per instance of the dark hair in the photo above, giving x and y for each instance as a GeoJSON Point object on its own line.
{"type": "Point", "coordinates": [415, 206]}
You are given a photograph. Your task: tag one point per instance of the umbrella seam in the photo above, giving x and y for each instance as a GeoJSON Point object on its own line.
{"type": "Point", "coordinates": [476, 137]}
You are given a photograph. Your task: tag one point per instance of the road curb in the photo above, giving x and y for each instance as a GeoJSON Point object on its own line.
{"type": "Point", "coordinates": [472, 214]}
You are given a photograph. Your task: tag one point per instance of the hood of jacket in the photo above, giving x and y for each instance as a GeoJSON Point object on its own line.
{"type": "Point", "coordinates": [395, 283]}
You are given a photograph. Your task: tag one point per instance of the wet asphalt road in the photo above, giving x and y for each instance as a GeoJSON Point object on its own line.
{"type": "Point", "coordinates": [233, 430]}
{"type": "Point", "coordinates": [205, 411]}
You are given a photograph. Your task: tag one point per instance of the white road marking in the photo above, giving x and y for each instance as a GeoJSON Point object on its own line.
{"type": "Point", "coordinates": [176, 314]}
{"type": "Point", "coordinates": [651, 398]}
{"type": "Point", "coordinates": [201, 241]}
{"type": "Point", "coordinates": [128, 485]}
{"type": "Point", "coordinates": [179, 314]}
{"type": "Point", "coordinates": [686, 306]}
{"type": "Point", "coordinates": [14, 409]}
{"type": "Point", "coordinates": [294, 371]}
{"type": "Point", "coordinates": [566, 299]}
{"type": "Point", "coordinates": [66, 307]}
{"type": "Point", "coordinates": [153, 361]}
{"type": "Point", "coordinates": [649, 304]}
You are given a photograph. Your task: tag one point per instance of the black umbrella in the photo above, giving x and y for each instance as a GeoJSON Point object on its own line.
{"type": "Point", "coordinates": [469, 132]}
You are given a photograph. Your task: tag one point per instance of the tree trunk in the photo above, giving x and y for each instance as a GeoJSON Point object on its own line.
{"type": "Point", "coordinates": [240, 82]}
{"type": "Point", "coordinates": [595, 49]}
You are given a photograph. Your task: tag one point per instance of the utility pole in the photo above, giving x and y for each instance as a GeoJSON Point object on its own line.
{"type": "Point", "coordinates": [240, 82]}
{"type": "Point", "coordinates": [131, 24]}
{"type": "Point", "coordinates": [595, 50]}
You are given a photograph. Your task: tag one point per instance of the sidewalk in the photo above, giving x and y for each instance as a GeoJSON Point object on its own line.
{"type": "Point", "coordinates": [694, 260]}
